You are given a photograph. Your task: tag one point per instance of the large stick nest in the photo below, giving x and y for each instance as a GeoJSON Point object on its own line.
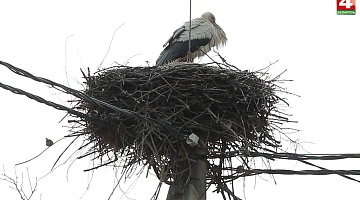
{"type": "Point", "coordinates": [232, 111]}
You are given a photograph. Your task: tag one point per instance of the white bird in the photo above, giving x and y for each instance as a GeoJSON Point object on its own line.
{"type": "Point", "coordinates": [49, 142]}
{"type": "Point", "coordinates": [205, 34]}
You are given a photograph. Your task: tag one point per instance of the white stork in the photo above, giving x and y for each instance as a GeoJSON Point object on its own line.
{"type": "Point", "coordinates": [204, 35]}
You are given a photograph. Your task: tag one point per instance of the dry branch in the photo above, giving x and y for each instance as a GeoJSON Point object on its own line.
{"type": "Point", "coordinates": [18, 185]}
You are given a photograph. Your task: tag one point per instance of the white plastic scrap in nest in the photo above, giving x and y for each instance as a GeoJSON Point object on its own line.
{"type": "Point", "coordinates": [192, 140]}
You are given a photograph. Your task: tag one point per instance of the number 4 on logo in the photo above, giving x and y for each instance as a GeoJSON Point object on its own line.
{"type": "Point", "coordinates": [346, 3]}
{"type": "Point", "coordinates": [346, 7]}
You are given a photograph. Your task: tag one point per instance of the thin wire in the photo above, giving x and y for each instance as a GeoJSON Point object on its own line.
{"type": "Point", "coordinates": [83, 96]}
{"type": "Point", "coordinates": [189, 51]}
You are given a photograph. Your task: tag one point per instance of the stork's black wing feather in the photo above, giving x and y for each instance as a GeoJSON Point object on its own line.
{"type": "Point", "coordinates": [178, 49]}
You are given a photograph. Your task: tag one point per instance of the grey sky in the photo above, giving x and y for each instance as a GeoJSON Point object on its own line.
{"type": "Point", "coordinates": [319, 49]}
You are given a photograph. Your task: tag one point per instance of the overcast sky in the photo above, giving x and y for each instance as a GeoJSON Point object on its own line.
{"type": "Point", "coordinates": [319, 49]}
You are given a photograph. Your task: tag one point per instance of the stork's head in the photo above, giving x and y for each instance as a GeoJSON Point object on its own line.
{"type": "Point", "coordinates": [209, 16]}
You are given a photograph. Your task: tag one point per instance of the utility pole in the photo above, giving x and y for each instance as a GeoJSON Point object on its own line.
{"type": "Point", "coordinates": [196, 188]}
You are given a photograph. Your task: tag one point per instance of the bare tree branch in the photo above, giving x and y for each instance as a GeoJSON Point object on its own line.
{"type": "Point", "coordinates": [18, 185]}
